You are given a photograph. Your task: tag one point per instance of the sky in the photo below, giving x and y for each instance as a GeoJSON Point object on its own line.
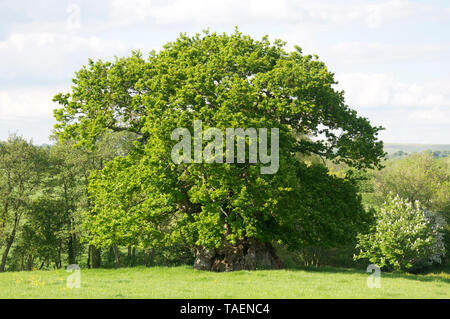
{"type": "Point", "coordinates": [391, 57]}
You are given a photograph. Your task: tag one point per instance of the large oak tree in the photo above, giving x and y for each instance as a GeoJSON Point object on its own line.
{"type": "Point", "coordinates": [230, 213]}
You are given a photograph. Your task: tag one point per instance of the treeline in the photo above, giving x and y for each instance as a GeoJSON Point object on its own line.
{"type": "Point", "coordinates": [44, 200]}
{"type": "Point", "coordinates": [43, 197]}
{"type": "Point", "coordinates": [436, 154]}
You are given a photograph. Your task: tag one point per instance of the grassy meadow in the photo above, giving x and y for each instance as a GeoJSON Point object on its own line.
{"type": "Point", "coordinates": [184, 282]}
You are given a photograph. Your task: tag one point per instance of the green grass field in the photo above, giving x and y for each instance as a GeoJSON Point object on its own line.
{"type": "Point", "coordinates": [184, 282]}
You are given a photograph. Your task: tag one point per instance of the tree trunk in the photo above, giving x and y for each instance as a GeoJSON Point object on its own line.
{"type": "Point", "coordinates": [22, 264]}
{"type": "Point", "coordinates": [29, 262]}
{"type": "Point", "coordinates": [5, 255]}
{"type": "Point", "coordinates": [116, 256]}
{"type": "Point", "coordinates": [148, 257]}
{"type": "Point", "coordinates": [96, 257]}
{"type": "Point", "coordinates": [72, 249]}
{"type": "Point", "coordinates": [75, 248]}
{"type": "Point", "coordinates": [59, 255]}
{"type": "Point", "coordinates": [146, 253]}
{"type": "Point", "coordinates": [89, 257]}
{"type": "Point", "coordinates": [110, 255]}
{"type": "Point", "coordinates": [70, 255]}
{"type": "Point", "coordinates": [247, 254]}
{"type": "Point", "coordinates": [9, 243]}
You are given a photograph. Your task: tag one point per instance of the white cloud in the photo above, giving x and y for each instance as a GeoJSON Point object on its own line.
{"type": "Point", "coordinates": [433, 116]}
{"type": "Point", "coordinates": [325, 12]}
{"type": "Point", "coordinates": [410, 112]}
{"type": "Point", "coordinates": [377, 52]}
{"type": "Point", "coordinates": [28, 103]}
{"type": "Point", "coordinates": [199, 12]}
{"type": "Point", "coordinates": [370, 14]}
{"type": "Point", "coordinates": [52, 54]}
{"type": "Point", "coordinates": [39, 45]}
{"type": "Point", "coordinates": [373, 90]}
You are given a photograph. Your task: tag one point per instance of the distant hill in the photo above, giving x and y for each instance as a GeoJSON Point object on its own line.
{"type": "Point", "coordinates": [392, 148]}
{"type": "Point", "coordinates": [398, 150]}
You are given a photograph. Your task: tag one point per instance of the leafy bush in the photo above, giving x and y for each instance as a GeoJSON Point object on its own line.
{"type": "Point", "coordinates": [404, 237]}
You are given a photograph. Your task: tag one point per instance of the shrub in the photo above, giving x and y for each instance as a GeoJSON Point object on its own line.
{"type": "Point", "coordinates": [404, 237]}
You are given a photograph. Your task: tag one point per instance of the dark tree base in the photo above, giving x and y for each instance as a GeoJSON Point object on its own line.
{"type": "Point", "coordinates": [246, 255]}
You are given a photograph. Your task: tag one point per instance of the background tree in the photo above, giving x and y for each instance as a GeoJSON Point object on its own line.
{"type": "Point", "coordinates": [70, 169]}
{"type": "Point", "coordinates": [44, 233]}
{"type": "Point", "coordinates": [404, 237]}
{"type": "Point", "coordinates": [323, 219]}
{"type": "Point", "coordinates": [20, 174]}
{"type": "Point", "coordinates": [69, 182]}
{"type": "Point", "coordinates": [418, 177]}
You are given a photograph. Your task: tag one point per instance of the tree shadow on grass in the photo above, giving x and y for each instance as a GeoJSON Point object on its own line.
{"type": "Point", "coordinates": [424, 277]}
{"type": "Point", "coordinates": [418, 277]}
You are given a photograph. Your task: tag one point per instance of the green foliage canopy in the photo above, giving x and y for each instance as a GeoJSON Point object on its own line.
{"type": "Point", "coordinates": [227, 81]}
